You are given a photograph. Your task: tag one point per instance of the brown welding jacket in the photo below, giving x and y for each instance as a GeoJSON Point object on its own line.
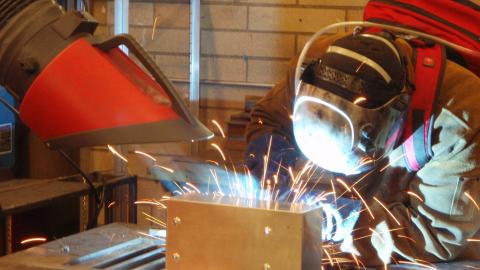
{"type": "Point", "coordinates": [435, 227]}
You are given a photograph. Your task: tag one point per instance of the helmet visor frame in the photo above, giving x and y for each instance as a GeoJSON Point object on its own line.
{"type": "Point", "coordinates": [354, 138]}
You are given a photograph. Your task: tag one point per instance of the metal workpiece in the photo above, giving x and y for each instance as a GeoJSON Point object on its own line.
{"type": "Point", "coordinates": [221, 232]}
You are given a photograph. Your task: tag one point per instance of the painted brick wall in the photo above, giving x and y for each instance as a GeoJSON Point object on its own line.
{"type": "Point", "coordinates": [242, 41]}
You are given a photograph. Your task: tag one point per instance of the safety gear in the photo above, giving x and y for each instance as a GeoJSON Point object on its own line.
{"type": "Point", "coordinates": [339, 218]}
{"type": "Point", "coordinates": [351, 103]}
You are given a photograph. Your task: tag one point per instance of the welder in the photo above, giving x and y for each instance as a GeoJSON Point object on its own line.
{"type": "Point", "coordinates": [347, 115]}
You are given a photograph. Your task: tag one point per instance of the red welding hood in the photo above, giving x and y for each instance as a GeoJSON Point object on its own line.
{"type": "Point", "coordinates": [95, 95]}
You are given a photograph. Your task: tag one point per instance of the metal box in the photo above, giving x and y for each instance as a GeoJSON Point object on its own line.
{"type": "Point", "coordinates": [213, 232]}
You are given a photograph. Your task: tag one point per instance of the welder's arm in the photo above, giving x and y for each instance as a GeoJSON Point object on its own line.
{"type": "Point", "coordinates": [435, 226]}
{"type": "Point", "coordinates": [270, 132]}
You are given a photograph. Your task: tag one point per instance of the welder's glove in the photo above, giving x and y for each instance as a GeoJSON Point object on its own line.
{"type": "Point", "coordinates": [339, 218]}
{"type": "Point", "coordinates": [282, 153]}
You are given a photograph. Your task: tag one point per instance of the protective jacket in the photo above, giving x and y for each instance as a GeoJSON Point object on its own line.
{"type": "Point", "coordinates": [432, 213]}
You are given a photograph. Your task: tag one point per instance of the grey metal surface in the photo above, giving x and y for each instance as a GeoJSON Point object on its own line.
{"type": "Point", "coordinates": [114, 246]}
{"type": "Point", "coordinates": [212, 232]}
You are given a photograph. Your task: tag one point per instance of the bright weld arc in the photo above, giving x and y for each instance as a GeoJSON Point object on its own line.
{"type": "Point", "coordinates": [219, 128]}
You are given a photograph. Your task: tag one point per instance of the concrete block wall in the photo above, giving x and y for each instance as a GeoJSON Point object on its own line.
{"type": "Point", "coordinates": [245, 47]}
{"type": "Point", "coordinates": [242, 41]}
{"type": "Point", "coordinates": [244, 44]}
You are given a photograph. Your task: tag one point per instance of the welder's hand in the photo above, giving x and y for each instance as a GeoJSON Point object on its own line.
{"type": "Point", "coordinates": [281, 155]}
{"type": "Point", "coordinates": [339, 218]}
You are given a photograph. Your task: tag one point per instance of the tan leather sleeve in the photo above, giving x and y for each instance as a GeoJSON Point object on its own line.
{"type": "Point", "coordinates": [432, 218]}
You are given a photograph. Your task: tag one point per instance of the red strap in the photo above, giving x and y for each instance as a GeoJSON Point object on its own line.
{"type": "Point", "coordinates": [428, 76]}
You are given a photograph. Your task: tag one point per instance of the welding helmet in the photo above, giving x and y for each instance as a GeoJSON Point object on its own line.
{"type": "Point", "coordinates": [350, 103]}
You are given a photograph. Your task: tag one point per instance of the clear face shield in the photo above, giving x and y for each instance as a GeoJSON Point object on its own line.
{"type": "Point", "coordinates": [338, 134]}
{"type": "Point", "coordinates": [341, 136]}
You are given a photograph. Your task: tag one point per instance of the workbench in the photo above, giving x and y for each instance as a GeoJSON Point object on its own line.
{"type": "Point", "coordinates": [116, 246]}
{"type": "Point", "coordinates": [120, 246]}
{"type": "Point", "coordinates": [58, 207]}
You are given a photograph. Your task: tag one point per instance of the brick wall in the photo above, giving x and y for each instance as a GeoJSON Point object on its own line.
{"type": "Point", "coordinates": [242, 41]}
{"type": "Point", "coordinates": [245, 45]}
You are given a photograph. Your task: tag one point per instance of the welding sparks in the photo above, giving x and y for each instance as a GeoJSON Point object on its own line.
{"type": "Point", "coordinates": [150, 203]}
{"type": "Point", "coordinates": [344, 184]}
{"type": "Point", "coordinates": [471, 199]}
{"type": "Point", "coordinates": [364, 203]}
{"type": "Point", "coordinates": [212, 161]}
{"type": "Point", "coordinates": [149, 235]}
{"type": "Point", "coordinates": [165, 168]}
{"type": "Point", "coordinates": [33, 239]}
{"type": "Point", "coordinates": [417, 264]}
{"type": "Point", "coordinates": [154, 220]}
{"type": "Point", "coordinates": [359, 100]}
{"type": "Point", "coordinates": [328, 255]}
{"type": "Point", "coordinates": [194, 187]}
{"type": "Point", "coordinates": [391, 162]}
{"type": "Point", "coordinates": [154, 26]}
{"type": "Point", "coordinates": [386, 209]}
{"type": "Point", "coordinates": [145, 154]}
{"type": "Point", "coordinates": [377, 234]}
{"type": "Point", "coordinates": [116, 153]}
{"type": "Point", "coordinates": [473, 240]}
{"type": "Point", "coordinates": [219, 150]}
{"type": "Point", "coordinates": [406, 237]}
{"type": "Point", "coordinates": [415, 195]}
{"type": "Point", "coordinates": [219, 127]}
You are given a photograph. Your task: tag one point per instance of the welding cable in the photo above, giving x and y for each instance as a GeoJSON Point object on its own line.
{"type": "Point", "coordinates": [98, 199]}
